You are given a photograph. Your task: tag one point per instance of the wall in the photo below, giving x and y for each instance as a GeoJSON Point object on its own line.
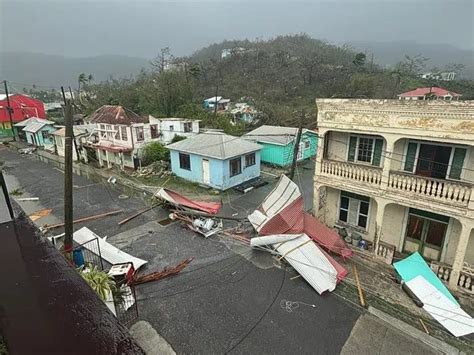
{"type": "Point", "coordinates": [219, 171]}
{"type": "Point", "coordinates": [283, 155]}
{"type": "Point", "coordinates": [178, 129]}
{"type": "Point", "coordinates": [5, 129]}
{"type": "Point", "coordinates": [60, 142]}
{"type": "Point", "coordinates": [393, 224]}
{"type": "Point", "coordinates": [337, 145]}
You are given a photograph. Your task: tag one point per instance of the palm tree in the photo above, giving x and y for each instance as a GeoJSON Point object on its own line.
{"type": "Point", "coordinates": [81, 80]}
{"type": "Point", "coordinates": [90, 78]}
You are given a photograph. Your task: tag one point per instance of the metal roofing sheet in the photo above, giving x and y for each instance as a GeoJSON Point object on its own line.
{"type": "Point", "coordinates": [274, 134]}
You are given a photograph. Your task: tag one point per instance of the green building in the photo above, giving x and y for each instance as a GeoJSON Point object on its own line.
{"type": "Point", "coordinates": [278, 144]}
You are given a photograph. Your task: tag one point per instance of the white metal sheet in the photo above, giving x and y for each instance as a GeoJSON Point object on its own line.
{"type": "Point", "coordinates": [108, 252]}
{"type": "Point", "coordinates": [441, 308]}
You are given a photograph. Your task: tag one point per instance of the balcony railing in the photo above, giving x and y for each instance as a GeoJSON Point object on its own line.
{"type": "Point", "coordinates": [436, 189]}
{"type": "Point", "coordinates": [354, 172]}
{"type": "Point", "coordinates": [466, 277]}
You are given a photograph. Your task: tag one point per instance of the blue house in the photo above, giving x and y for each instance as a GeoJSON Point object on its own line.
{"type": "Point", "coordinates": [36, 131]}
{"type": "Point", "coordinates": [278, 144]}
{"type": "Point", "coordinates": [215, 159]}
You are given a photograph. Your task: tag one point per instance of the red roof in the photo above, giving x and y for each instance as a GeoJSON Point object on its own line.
{"type": "Point", "coordinates": [427, 91]}
{"type": "Point", "coordinates": [23, 107]}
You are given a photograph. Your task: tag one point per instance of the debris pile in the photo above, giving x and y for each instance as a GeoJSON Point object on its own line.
{"type": "Point", "coordinates": [159, 168]}
{"type": "Point", "coordinates": [158, 275]}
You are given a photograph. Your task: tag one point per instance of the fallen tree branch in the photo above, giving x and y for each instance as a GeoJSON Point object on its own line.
{"type": "Point", "coordinates": [84, 219]}
{"type": "Point", "coordinates": [166, 272]}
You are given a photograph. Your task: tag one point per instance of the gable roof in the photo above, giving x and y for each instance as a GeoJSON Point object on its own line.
{"type": "Point", "coordinates": [30, 120]}
{"type": "Point", "coordinates": [34, 127]}
{"type": "Point", "coordinates": [116, 115]}
{"type": "Point", "coordinates": [427, 91]}
{"type": "Point", "coordinates": [215, 145]}
{"type": "Point", "coordinates": [274, 134]}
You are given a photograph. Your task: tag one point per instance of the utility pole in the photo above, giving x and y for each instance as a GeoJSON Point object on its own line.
{"type": "Point", "coordinates": [68, 208]}
{"type": "Point", "coordinates": [9, 110]}
{"type": "Point", "coordinates": [297, 145]}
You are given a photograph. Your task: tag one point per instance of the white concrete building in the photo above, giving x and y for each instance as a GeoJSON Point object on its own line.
{"type": "Point", "coordinates": [171, 127]}
{"type": "Point", "coordinates": [82, 134]}
{"type": "Point", "coordinates": [401, 174]}
{"type": "Point", "coordinates": [121, 135]}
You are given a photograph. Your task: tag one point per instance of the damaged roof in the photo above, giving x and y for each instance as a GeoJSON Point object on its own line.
{"type": "Point", "coordinates": [274, 134]}
{"type": "Point", "coordinates": [116, 115]}
{"type": "Point", "coordinates": [215, 145]}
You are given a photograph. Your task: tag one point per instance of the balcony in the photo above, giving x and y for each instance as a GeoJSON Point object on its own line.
{"type": "Point", "coordinates": [366, 175]}
{"type": "Point", "coordinates": [444, 191]}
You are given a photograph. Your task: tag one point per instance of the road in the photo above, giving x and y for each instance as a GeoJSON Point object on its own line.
{"type": "Point", "coordinates": [230, 299]}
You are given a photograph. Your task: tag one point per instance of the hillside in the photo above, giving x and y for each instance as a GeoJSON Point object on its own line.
{"type": "Point", "coordinates": [54, 71]}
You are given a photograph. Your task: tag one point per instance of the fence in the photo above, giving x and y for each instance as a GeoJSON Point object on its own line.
{"type": "Point", "coordinates": [88, 254]}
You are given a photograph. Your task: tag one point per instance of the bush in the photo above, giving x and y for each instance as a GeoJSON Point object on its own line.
{"type": "Point", "coordinates": [153, 152]}
{"type": "Point", "coordinates": [177, 138]}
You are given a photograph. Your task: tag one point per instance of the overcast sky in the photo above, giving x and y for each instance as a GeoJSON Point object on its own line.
{"type": "Point", "coordinates": [81, 28]}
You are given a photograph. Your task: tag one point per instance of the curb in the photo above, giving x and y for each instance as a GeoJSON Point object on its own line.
{"type": "Point", "coordinates": [413, 332]}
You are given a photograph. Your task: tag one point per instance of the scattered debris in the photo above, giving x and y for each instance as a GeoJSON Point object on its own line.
{"type": "Point", "coordinates": [158, 168]}
{"type": "Point", "coordinates": [85, 219]}
{"type": "Point", "coordinates": [28, 150]}
{"type": "Point", "coordinates": [112, 180]}
{"type": "Point", "coordinates": [159, 275]}
{"type": "Point", "coordinates": [108, 252]}
{"type": "Point", "coordinates": [424, 326]}
{"type": "Point", "coordinates": [41, 213]}
{"type": "Point", "coordinates": [137, 214]}
{"type": "Point", "coordinates": [16, 192]}
{"type": "Point", "coordinates": [202, 225]}
{"type": "Point", "coordinates": [122, 197]}
{"type": "Point", "coordinates": [359, 288]}
{"type": "Point", "coordinates": [28, 199]}
{"type": "Point", "coordinates": [250, 185]}
{"type": "Point", "coordinates": [179, 201]}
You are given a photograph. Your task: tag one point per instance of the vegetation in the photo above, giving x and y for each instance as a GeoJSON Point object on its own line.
{"type": "Point", "coordinates": [177, 138]}
{"type": "Point", "coordinates": [154, 151]}
{"type": "Point", "coordinates": [102, 283]}
{"type": "Point", "coordinates": [279, 77]}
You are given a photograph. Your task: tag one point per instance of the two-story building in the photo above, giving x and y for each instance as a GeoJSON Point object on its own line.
{"type": "Point", "coordinates": [172, 127]}
{"type": "Point", "coordinates": [401, 173]}
{"type": "Point", "coordinates": [121, 135]}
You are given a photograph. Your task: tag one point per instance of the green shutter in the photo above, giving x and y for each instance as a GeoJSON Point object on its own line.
{"type": "Point", "coordinates": [377, 152]}
{"type": "Point", "coordinates": [458, 162]}
{"type": "Point", "coordinates": [410, 157]}
{"type": "Point", "coordinates": [352, 149]}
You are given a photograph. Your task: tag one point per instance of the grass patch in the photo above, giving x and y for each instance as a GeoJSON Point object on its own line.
{"type": "Point", "coordinates": [16, 192]}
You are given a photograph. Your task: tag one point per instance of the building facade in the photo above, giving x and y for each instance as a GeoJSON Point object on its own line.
{"type": "Point", "coordinates": [22, 107]}
{"type": "Point", "coordinates": [278, 144]}
{"type": "Point", "coordinates": [215, 159]}
{"type": "Point", "coordinates": [401, 174]}
{"type": "Point", "coordinates": [172, 127]}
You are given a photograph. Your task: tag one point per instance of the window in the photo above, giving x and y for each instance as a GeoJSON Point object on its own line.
{"type": "Point", "coordinates": [140, 135]}
{"type": "Point", "coordinates": [45, 135]}
{"type": "Point", "coordinates": [184, 161]}
{"type": "Point", "coordinates": [154, 131]}
{"type": "Point", "coordinates": [188, 127]}
{"type": "Point", "coordinates": [171, 128]}
{"type": "Point", "coordinates": [250, 159]}
{"type": "Point", "coordinates": [235, 166]}
{"type": "Point", "coordinates": [123, 131]}
{"type": "Point", "coordinates": [364, 149]}
{"type": "Point", "coordinates": [306, 144]}
{"type": "Point", "coordinates": [354, 209]}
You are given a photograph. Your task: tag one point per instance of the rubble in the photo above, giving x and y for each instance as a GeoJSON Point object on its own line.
{"type": "Point", "coordinates": [158, 168]}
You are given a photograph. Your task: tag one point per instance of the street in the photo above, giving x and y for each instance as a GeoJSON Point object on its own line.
{"type": "Point", "coordinates": [230, 298]}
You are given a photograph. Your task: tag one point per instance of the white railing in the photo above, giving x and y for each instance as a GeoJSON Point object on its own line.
{"type": "Point", "coordinates": [466, 277]}
{"type": "Point", "coordinates": [354, 172]}
{"type": "Point", "coordinates": [437, 189]}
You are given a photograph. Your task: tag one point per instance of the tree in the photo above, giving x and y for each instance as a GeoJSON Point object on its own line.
{"type": "Point", "coordinates": [81, 80]}
{"type": "Point", "coordinates": [154, 151]}
{"type": "Point", "coordinates": [160, 62]}
{"type": "Point", "coordinates": [177, 138]}
{"type": "Point", "coordinates": [359, 60]}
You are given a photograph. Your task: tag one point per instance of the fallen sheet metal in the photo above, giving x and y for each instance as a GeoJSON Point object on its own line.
{"type": "Point", "coordinates": [108, 252]}
{"type": "Point", "coordinates": [41, 213]}
{"type": "Point", "coordinates": [305, 257]}
{"type": "Point", "coordinates": [177, 199]}
{"type": "Point", "coordinates": [441, 308]}
{"type": "Point", "coordinates": [414, 266]}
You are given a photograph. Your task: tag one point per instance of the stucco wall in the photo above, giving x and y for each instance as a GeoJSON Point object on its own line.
{"type": "Point", "coordinates": [337, 145]}
{"type": "Point", "coordinates": [60, 143]}
{"type": "Point", "coordinates": [393, 224]}
{"type": "Point", "coordinates": [178, 129]}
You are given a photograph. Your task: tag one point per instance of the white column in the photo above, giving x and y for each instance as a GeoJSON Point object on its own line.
{"type": "Point", "coordinates": [381, 204]}
{"type": "Point", "coordinates": [387, 161]}
{"type": "Point", "coordinates": [460, 253]}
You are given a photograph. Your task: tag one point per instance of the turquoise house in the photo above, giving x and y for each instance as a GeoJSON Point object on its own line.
{"type": "Point", "coordinates": [36, 131]}
{"type": "Point", "coordinates": [215, 159]}
{"type": "Point", "coordinates": [278, 144]}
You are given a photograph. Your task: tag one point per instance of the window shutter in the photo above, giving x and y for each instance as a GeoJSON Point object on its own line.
{"type": "Point", "coordinates": [377, 152]}
{"type": "Point", "coordinates": [410, 157]}
{"type": "Point", "coordinates": [352, 148]}
{"type": "Point", "coordinates": [458, 162]}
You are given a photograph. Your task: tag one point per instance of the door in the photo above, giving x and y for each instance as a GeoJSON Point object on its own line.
{"type": "Point", "coordinates": [205, 171]}
{"type": "Point", "coordinates": [425, 235]}
{"type": "Point", "coordinates": [433, 161]}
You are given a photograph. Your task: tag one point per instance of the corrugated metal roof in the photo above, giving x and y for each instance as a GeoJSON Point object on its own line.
{"type": "Point", "coordinates": [34, 127]}
{"type": "Point", "coordinates": [427, 91]}
{"type": "Point", "coordinates": [26, 122]}
{"type": "Point", "coordinates": [274, 134]}
{"type": "Point", "coordinates": [215, 145]}
{"type": "Point", "coordinates": [116, 115]}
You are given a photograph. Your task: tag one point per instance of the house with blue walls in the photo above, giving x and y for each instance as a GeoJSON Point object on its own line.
{"type": "Point", "coordinates": [36, 131]}
{"type": "Point", "coordinates": [278, 144]}
{"type": "Point", "coordinates": [215, 159]}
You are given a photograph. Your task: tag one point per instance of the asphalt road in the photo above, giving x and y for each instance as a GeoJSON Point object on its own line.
{"type": "Point", "coordinates": [230, 299]}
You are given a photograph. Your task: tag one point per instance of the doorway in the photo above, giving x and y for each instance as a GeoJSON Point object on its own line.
{"type": "Point", "coordinates": [433, 161]}
{"type": "Point", "coordinates": [205, 171]}
{"type": "Point", "coordinates": [425, 233]}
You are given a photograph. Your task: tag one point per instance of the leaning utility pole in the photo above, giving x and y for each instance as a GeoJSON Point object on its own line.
{"type": "Point", "coordinates": [68, 209]}
{"type": "Point", "coordinates": [9, 110]}
{"type": "Point", "coordinates": [297, 145]}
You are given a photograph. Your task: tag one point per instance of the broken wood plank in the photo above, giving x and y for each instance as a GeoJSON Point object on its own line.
{"type": "Point", "coordinates": [28, 199]}
{"type": "Point", "coordinates": [295, 277]}
{"type": "Point", "coordinates": [41, 213]}
{"type": "Point", "coordinates": [137, 214]}
{"type": "Point", "coordinates": [424, 326]}
{"type": "Point", "coordinates": [84, 219]}
{"type": "Point", "coordinates": [359, 288]}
